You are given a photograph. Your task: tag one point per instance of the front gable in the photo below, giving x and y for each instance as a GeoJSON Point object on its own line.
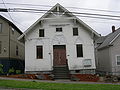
{"type": "Point", "coordinates": [57, 13]}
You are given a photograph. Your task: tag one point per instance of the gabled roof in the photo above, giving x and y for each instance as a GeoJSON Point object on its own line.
{"type": "Point", "coordinates": [65, 10]}
{"type": "Point", "coordinates": [110, 38]}
{"type": "Point", "coordinates": [16, 28]}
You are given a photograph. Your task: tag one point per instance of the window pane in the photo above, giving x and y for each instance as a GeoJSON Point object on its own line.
{"type": "Point", "coordinates": [16, 50]}
{"type": "Point", "coordinates": [75, 31]}
{"type": "Point", "coordinates": [79, 49]}
{"type": "Point", "coordinates": [58, 29]}
{"type": "Point", "coordinates": [118, 60]}
{"type": "Point", "coordinates": [41, 33]}
{"type": "Point", "coordinates": [39, 52]}
{"type": "Point", "coordinates": [0, 27]}
{"type": "Point", "coordinates": [0, 47]}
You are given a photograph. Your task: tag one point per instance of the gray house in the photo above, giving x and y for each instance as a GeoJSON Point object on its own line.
{"type": "Point", "coordinates": [11, 50]}
{"type": "Point", "coordinates": [108, 53]}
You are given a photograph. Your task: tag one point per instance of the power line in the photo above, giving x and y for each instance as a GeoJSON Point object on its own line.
{"type": "Point", "coordinates": [66, 7]}
{"type": "Point", "coordinates": [91, 15]}
{"type": "Point", "coordinates": [8, 12]}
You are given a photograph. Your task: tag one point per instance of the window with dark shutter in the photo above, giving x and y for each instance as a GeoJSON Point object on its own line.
{"type": "Point", "coordinates": [41, 33]}
{"type": "Point", "coordinates": [58, 29]}
{"type": "Point", "coordinates": [16, 50]}
{"type": "Point", "coordinates": [79, 49]}
{"type": "Point", "coordinates": [75, 31]}
{"type": "Point", "coordinates": [0, 47]}
{"type": "Point", "coordinates": [39, 51]}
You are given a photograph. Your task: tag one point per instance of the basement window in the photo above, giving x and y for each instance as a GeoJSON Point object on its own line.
{"type": "Point", "coordinates": [39, 51]}
{"type": "Point", "coordinates": [118, 60]}
{"type": "Point", "coordinates": [79, 49]}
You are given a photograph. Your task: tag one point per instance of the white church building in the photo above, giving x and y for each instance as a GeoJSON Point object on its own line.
{"type": "Point", "coordinates": [59, 42]}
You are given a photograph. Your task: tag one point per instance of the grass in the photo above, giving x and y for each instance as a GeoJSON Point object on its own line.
{"type": "Point", "coordinates": [56, 86]}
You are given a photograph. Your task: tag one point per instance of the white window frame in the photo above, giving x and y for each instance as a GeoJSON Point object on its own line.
{"type": "Point", "coordinates": [116, 60]}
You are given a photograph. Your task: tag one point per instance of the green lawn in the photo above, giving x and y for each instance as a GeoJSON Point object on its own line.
{"type": "Point", "coordinates": [56, 86]}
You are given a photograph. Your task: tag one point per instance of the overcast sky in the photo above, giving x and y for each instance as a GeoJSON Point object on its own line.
{"type": "Point", "coordinates": [102, 26]}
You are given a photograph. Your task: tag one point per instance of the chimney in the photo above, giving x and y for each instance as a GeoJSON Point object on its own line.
{"type": "Point", "coordinates": [113, 29]}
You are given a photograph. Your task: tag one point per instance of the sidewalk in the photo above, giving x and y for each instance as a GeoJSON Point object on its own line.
{"type": "Point", "coordinates": [58, 81]}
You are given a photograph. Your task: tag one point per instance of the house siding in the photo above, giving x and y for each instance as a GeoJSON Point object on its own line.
{"type": "Point", "coordinates": [115, 51]}
{"type": "Point", "coordinates": [104, 61]}
{"type": "Point", "coordinates": [8, 52]}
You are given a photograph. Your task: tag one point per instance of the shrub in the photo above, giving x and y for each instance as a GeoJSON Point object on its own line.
{"type": "Point", "coordinates": [18, 71]}
{"type": "Point", "coordinates": [11, 70]}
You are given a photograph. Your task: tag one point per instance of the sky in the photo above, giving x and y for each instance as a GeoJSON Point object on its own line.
{"type": "Point", "coordinates": [103, 26]}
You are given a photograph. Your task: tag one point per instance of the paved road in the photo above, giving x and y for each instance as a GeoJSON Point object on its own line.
{"type": "Point", "coordinates": [58, 81]}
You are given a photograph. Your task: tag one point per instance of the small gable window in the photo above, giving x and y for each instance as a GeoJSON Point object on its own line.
{"type": "Point", "coordinates": [41, 33]}
{"type": "Point", "coordinates": [75, 31]}
{"type": "Point", "coordinates": [39, 51]}
{"type": "Point", "coordinates": [58, 29]}
{"type": "Point", "coordinates": [118, 60]}
{"type": "Point", "coordinates": [79, 49]}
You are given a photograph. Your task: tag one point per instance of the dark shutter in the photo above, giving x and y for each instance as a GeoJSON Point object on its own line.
{"type": "Point", "coordinates": [79, 49]}
{"type": "Point", "coordinates": [75, 31]}
{"type": "Point", "coordinates": [41, 33]}
{"type": "Point", "coordinates": [39, 52]}
{"type": "Point", "coordinates": [16, 50]}
{"type": "Point", "coordinates": [0, 47]}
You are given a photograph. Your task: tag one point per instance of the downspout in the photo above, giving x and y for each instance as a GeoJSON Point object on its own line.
{"type": "Point", "coordinates": [9, 45]}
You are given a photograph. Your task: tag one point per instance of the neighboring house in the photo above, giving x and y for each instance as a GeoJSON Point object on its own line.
{"type": "Point", "coordinates": [11, 50]}
{"type": "Point", "coordinates": [108, 53]}
{"type": "Point", "coordinates": [59, 40]}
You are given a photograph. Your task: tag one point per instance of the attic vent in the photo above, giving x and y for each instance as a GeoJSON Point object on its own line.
{"type": "Point", "coordinates": [87, 63]}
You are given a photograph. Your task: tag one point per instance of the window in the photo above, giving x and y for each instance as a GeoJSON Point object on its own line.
{"type": "Point", "coordinates": [79, 50]}
{"type": "Point", "coordinates": [0, 47]}
{"type": "Point", "coordinates": [87, 63]}
{"type": "Point", "coordinates": [75, 31]}
{"type": "Point", "coordinates": [0, 27]}
{"type": "Point", "coordinates": [41, 33]}
{"type": "Point", "coordinates": [58, 29]}
{"type": "Point", "coordinates": [39, 52]}
{"type": "Point", "coordinates": [16, 50]}
{"type": "Point", "coordinates": [118, 60]}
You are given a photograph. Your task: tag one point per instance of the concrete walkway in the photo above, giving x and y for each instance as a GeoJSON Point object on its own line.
{"type": "Point", "coordinates": [59, 81]}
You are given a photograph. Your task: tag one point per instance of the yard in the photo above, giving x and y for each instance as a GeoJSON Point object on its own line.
{"type": "Point", "coordinates": [56, 86]}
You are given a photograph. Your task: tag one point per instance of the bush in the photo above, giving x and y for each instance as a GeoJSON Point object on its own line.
{"type": "Point", "coordinates": [18, 71]}
{"type": "Point", "coordinates": [11, 71]}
